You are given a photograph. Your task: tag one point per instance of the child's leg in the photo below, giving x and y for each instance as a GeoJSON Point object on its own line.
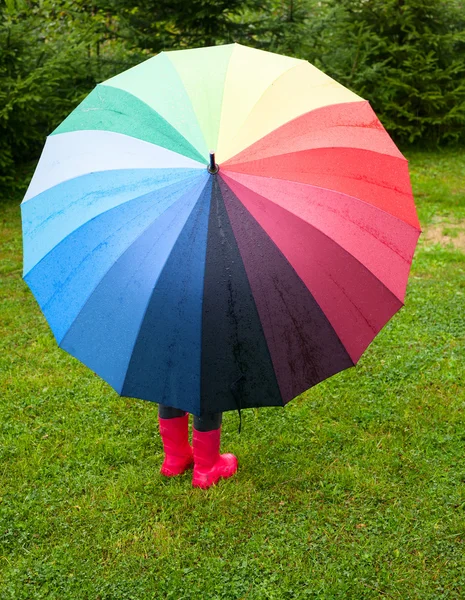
{"type": "Point", "coordinates": [166, 412]}
{"type": "Point", "coordinates": [208, 422]}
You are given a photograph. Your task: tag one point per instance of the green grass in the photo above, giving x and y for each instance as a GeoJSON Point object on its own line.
{"type": "Point", "coordinates": [438, 184]}
{"type": "Point", "coordinates": [355, 490]}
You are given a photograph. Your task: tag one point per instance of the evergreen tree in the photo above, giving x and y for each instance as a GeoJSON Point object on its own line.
{"type": "Point", "coordinates": [157, 25]}
{"type": "Point", "coordinates": [406, 56]}
{"type": "Point", "coordinates": [52, 54]}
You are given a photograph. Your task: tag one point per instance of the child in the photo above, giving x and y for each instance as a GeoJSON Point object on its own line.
{"type": "Point", "coordinates": [209, 464]}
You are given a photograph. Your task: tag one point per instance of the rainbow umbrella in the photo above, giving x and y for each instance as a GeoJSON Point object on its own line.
{"type": "Point", "coordinates": [213, 290]}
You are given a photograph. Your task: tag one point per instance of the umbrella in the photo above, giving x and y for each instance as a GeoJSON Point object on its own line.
{"type": "Point", "coordinates": [211, 290]}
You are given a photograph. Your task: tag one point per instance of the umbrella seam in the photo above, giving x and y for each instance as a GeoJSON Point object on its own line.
{"type": "Point", "coordinates": [239, 407]}
{"type": "Point", "coordinates": [112, 264]}
{"type": "Point", "coordinates": [165, 54]}
{"type": "Point", "coordinates": [228, 167]}
{"type": "Point", "coordinates": [316, 129]}
{"type": "Point", "coordinates": [329, 275]}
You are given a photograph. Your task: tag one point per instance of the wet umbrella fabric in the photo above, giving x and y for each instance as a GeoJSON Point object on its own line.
{"type": "Point", "coordinates": [211, 292]}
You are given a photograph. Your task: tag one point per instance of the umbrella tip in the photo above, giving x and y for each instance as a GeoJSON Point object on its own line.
{"type": "Point", "coordinates": [213, 167]}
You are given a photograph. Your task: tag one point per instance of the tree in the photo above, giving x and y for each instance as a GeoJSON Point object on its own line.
{"type": "Point", "coordinates": [53, 53]}
{"type": "Point", "coordinates": [157, 25]}
{"type": "Point", "coordinates": [406, 56]}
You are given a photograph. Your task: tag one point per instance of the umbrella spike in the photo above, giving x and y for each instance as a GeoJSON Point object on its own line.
{"type": "Point", "coordinates": [213, 167]}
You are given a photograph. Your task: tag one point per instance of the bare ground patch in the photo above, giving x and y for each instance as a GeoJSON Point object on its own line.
{"type": "Point", "coordinates": [445, 233]}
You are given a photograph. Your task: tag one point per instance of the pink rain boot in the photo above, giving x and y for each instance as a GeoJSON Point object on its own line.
{"type": "Point", "coordinates": [209, 464]}
{"type": "Point", "coordinates": [178, 452]}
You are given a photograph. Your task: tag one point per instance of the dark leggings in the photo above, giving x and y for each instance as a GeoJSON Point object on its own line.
{"type": "Point", "coordinates": [208, 422]}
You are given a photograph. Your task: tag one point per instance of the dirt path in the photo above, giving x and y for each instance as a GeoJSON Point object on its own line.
{"type": "Point", "coordinates": [445, 233]}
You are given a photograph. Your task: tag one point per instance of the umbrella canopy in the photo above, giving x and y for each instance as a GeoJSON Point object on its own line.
{"type": "Point", "coordinates": [214, 291]}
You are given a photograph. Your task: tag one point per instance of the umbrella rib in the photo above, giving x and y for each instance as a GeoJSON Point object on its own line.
{"type": "Point", "coordinates": [363, 104]}
{"type": "Point", "coordinates": [158, 85]}
{"type": "Point", "coordinates": [189, 99]}
{"type": "Point", "coordinates": [221, 227]}
{"type": "Point", "coordinates": [228, 167]}
{"type": "Point", "coordinates": [329, 238]}
{"type": "Point", "coordinates": [107, 209]}
{"type": "Point", "coordinates": [332, 82]}
{"type": "Point", "coordinates": [270, 337]}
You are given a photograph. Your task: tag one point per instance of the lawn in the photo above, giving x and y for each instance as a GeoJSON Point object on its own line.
{"type": "Point", "coordinates": [355, 490]}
